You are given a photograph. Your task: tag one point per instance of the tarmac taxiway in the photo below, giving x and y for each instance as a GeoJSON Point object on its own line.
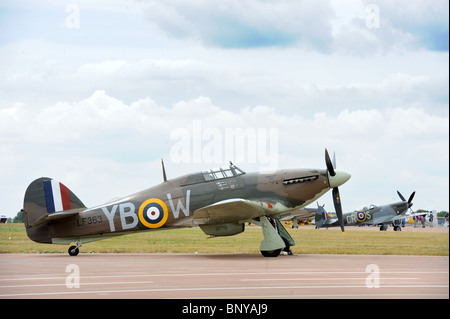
{"type": "Point", "coordinates": [222, 276]}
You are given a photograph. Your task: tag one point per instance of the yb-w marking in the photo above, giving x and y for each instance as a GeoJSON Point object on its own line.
{"type": "Point", "coordinates": [152, 213]}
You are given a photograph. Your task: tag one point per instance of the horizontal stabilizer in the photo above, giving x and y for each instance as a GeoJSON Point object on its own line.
{"type": "Point", "coordinates": [55, 216]}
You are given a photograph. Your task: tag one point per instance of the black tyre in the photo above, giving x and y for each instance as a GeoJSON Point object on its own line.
{"type": "Point", "coordinates": [73, 250]}
{"type": "Point", "coordinates": [271, 253]}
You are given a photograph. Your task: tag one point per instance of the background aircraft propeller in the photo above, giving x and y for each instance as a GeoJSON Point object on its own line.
{"type": "Point", "coordinates": [409, 199]}
{"type": "Point", "coordinates": [336, 196]}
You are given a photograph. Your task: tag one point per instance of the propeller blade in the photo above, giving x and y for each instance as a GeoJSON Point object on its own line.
{"type": "Point", "coordinates": [329, 164]}
{"type": "Point", "coordinates": [401, 196]}
{"type": "Point", "coordinates": [338, 207]}
{"type": "Point", "coordinates": [411, 197]}
{"type": "Point", "coordinates": [334, 160]}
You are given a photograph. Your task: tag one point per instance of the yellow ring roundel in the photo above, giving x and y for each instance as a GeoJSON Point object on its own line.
{"type": "Point", "coordinates": [153, 213]}
{"type": "Point", "coordinates": [361, 216]}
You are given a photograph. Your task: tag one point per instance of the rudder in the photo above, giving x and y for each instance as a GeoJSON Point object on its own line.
{"type": "Point", "coordinates": [45, 196]}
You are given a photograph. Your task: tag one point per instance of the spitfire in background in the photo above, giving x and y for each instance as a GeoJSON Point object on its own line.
{"type": "Point", "coordinates": [390, 214]}
{"type": "Point", "coordinates": [219, 201]}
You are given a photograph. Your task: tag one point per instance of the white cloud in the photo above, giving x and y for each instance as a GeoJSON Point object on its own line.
{"type": "Point", "coordinates": [113, 142]}
{"type": "Point", "coordinates": [253, 23]}
{"type": "Point", "coordinates": [325, 26]}
{"type": "Point", "coordinates": [401, 26]}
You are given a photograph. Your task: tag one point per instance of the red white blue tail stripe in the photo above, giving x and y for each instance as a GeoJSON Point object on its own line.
{"type": "Point", "coordinates": [56, 196]}
{"type": "Point", "coordinates": [325, 215]}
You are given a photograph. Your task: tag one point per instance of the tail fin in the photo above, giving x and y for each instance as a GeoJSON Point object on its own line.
{"type": "Point", "coordinates": [321, 217]}
{"type": "Point", "coordinates": [46, 196]}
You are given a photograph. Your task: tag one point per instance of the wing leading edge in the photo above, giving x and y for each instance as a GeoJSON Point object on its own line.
{"type": "Point", "coordinates": [226, 211]}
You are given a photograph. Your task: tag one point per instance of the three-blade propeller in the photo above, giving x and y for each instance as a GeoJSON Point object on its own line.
{"type": "Point", "coordinates": [336, 196]}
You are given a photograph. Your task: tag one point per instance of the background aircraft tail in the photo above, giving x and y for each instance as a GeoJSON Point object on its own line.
{"type": "Point", "coordinates": [44, 197]}
{"type": "Point", "coordinates": [321, 217]}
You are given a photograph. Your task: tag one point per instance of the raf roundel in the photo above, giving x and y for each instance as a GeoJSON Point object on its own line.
{"type": "Point", "coordinates": [361, 216]}
{"type": "Point", "coordinates": [153, 213]}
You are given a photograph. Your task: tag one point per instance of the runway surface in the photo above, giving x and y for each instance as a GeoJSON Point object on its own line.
{"type": "Point", "coordinates": [207, 276]}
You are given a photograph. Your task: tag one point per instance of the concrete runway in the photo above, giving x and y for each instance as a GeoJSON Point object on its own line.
{"type": "Point", "coordinates": [207, 276]}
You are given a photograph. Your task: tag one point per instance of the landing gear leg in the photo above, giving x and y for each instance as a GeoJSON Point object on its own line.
{"type": "Point", "coordinates": [287, 250]}
{"type": "Point", "coordinates": [272, 243]}
{"type": "Point", "coordinates": [284, 234]}
{"type": "Point", "coordinates": [276, 238]}
{"type": "Point", "coordinates": [74, 250]}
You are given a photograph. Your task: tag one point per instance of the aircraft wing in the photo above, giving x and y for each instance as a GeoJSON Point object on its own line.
{"type": "Point", "coordinates": [402, 216]}
{"type": "Point", "coordinates": [416, 214]}
{"type": "Point", "coordinates": [376, 219]}
{"type": "Point", "coordinates": [302, 213]}
{"type": "Point", "coordinates": [230, 211]}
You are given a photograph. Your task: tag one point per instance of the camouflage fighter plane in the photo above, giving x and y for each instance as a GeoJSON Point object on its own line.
{"type": "Point", "coordinates": [373, 215]}
{"type": "Point", "coordinates": [218, 201]}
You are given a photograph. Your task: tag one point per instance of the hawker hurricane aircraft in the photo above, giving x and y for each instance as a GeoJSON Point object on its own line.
{"type": "Point", "coordinates": [219, 201]}
{"type": "Point", "coordinates": [373, 215]}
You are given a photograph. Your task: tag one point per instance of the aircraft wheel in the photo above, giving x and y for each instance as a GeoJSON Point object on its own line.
{"type": "Point", "coordinates": [271, 253]}
{"type": "Point", "coordinates": [73, 250]}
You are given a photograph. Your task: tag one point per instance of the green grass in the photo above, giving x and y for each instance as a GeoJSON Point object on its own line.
{"type": "Point", "coordinates": [13, 239]}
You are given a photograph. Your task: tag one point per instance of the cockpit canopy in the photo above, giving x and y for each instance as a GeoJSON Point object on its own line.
{"type": "Point", "coordinates": [211, 175]}
{"type": "Point", "coordinates": [219, 173]}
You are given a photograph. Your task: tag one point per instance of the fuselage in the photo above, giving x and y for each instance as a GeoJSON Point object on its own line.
{"type": "Point", "coordinates": [173, 202]}
{"type": "Point", "coordinates": [375, 215]}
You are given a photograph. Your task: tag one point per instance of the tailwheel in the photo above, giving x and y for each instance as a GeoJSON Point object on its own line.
{"type": "Point", "coordinates": [271, 253]}
{"type": "Point", "coordinates": [73, 250]}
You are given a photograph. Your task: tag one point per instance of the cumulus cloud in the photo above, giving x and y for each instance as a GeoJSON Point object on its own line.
{"type": "Point", "coordinates": [237, 24]}
{"type": "Point", "coordinates": [322, 26]}
{"type": "Point", "coordinates": [101, 113]}
{"type": "Point", "coordinates": [366, 27]}
{"type": "Point", "coordinates": [427, 23]}
{"type": "Point", "coordinates": [106, 139]}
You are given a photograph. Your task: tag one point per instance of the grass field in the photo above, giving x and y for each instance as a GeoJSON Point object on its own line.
{"type": "Point", "coordinates": [13, 239]}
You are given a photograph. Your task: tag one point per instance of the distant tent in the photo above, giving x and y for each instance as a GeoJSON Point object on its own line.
{"type": "Point", "coordinates": [3, 219]}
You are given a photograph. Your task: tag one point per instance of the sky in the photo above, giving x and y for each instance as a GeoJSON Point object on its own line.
{"type": "Point", "coordinates": [95, 93]}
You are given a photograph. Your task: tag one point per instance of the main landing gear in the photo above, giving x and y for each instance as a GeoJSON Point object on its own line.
{"type": "Point", "coordinates": [276, 238]}
{"type": "Point", "coordinates": [384, 227]}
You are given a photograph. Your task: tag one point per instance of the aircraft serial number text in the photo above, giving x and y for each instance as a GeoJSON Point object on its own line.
{"type": "Point", "coordinates": [89, 220]}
